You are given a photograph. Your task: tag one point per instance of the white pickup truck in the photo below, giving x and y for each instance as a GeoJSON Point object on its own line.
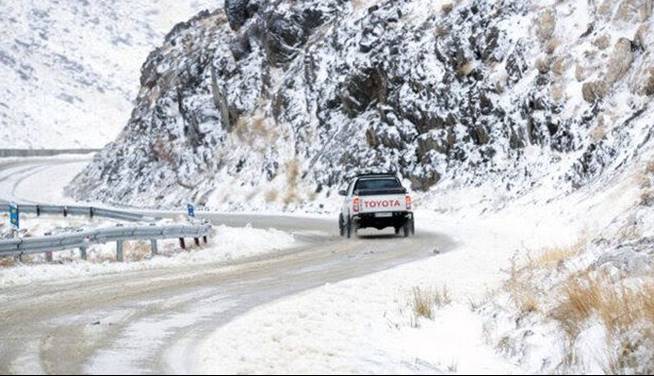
{"type": "Point", "coordinates": [378, 201]}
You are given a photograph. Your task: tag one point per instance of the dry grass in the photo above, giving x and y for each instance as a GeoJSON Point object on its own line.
{"type": "Point", "coordinates": [292, 179]}
{"type": "Point", "coordinates": [618, 307]}
{"type": "Point", "coordinates": [523, 293]}
{"type": "Point", "coordinates": [6, 262]}
{"type": "Point", "coordinates": [137, 250]}
{"type": "Point", "coordinates": [423, 301]}
{"type": "Point", "coordinates": [271, 195]}
{"type": "Point", "coordinates": [555, 256]}
{"type": "Point", "coordinates": [251, 129]}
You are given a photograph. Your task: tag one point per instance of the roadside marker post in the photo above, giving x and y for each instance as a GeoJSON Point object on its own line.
{"type": "Point", "coordinates": [14, 218]}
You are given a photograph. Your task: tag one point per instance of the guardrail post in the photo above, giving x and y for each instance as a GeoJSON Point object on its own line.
{"type": "Point", "coordinates": [48, 256]}
{"type": "Point", "coordinates": [153, 247]}
{"type": "Point", "coordinates": [197, 241]}
{"type": "Point", "coordinates": [91, 212]}
{"type": "Point", "coordinates": [82, 253]}
{"type": "Point", "coordinates": [119, 251]}
{"type": "Point", "coordinates": [38, 211]}
{"type": "Point", "coordinates": [65, 211]}
{"type": "Point", "coordinates": [204, 238]}
{"type": "Point", "coordinates": [182, 244]}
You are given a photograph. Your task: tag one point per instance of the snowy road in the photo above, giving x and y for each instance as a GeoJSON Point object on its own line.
{"type": "Point", "coordinates": [153, 321]}
{"type": "Point", "coordinates": [23, 179]}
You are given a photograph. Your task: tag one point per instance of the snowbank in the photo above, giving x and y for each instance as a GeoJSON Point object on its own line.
{"type": "Point", "coordinates": [366, 325]}
{"type": "Point", "coordinates": [226, 245]}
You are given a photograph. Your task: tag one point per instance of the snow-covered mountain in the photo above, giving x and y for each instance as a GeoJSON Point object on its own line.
{"type": "Point", "coordinates": [272, 103]}
{"type": "Point", "coordinates": [69, 69]}
{"type": "Point", "coordinates": [537, 113]}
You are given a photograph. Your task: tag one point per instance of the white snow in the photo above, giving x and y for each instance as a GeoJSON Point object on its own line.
{"type": "Point", "coordinates": [69, 70]}
{"type": "Point", "coordinates": [227, 244]}
{"type": "Point", "coordinates": [366, 325]}
{"type": "Point", "coordinates": [42, 183]}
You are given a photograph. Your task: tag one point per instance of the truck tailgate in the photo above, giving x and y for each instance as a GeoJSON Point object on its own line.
{"type": "Point", "coordinates": [383, 203]}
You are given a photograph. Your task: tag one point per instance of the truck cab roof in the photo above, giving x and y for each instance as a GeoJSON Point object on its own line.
{"type": "Point", "coordinates": [376, 175]}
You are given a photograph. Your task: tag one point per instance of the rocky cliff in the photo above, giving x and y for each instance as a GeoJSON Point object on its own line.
{"type": "Point", "coordinates": [272, 103]}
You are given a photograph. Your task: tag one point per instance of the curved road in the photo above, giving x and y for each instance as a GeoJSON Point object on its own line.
{"type": "Point", "coordinates": [152, 321]}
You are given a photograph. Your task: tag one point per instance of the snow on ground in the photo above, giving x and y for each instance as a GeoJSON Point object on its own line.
{"type": "Point", "coordinates": [69, 69]}
{"type": "Point", "coordinates": [33, 226]}
{"type": "Point", "coordinates": [230, 244]}
{"type": "Point", "coordinates": [367, 325]}
{"type": "Point", "coordinates": [41, 182]}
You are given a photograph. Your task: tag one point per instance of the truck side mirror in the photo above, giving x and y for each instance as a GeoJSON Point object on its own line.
{"type": "Point", "coordinates": [342, 192]}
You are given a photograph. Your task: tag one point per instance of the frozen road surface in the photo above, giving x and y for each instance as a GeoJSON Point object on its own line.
{"type": "Point", "coordinates": [152, 321]}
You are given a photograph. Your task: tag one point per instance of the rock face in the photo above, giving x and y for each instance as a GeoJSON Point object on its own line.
{"type": "Point", "coordinates": [279, 96]}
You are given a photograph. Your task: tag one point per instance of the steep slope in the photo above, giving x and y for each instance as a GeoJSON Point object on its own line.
{"type": "Point", "coordinates": [272, 103]}
{"type": "Point", "coordinates": [69, 69]}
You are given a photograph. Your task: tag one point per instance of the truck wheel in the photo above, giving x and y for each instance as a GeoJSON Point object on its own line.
{"type": "Point", "coordinates": [413, 226]}
{"type": "Point", "coordinates": [397, 230]}
{"type": "Point", "coordinates": [348, 230]}
{"type": "Point", "coordinates": [341, 225]}
{"type": "Point", "coordinates": [406, 229]}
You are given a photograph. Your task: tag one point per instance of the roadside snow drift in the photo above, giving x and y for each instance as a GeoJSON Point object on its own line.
{"type": "Point", "coordinates": [226, 245]}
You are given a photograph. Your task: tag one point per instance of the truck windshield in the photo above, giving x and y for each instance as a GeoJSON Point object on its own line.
{"type": "Point", "coordinates": [386, 183]}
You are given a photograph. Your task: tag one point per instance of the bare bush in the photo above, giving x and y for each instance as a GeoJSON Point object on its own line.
{"type": "Point", "coordinates": [523, 293]}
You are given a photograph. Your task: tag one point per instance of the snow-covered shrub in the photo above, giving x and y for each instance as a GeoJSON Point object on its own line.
{"type": "Point", "coordinates": [425, 300]}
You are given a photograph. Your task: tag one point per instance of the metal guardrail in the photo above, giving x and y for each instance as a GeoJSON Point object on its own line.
{"type": "Point", "coordinates": [4, 153]}
{"type": "Point", "coordinates": [81, 210]}
{"type": "Point", "coordinates": [84, 239]}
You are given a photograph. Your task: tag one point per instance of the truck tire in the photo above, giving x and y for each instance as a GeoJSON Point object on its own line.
{"type": "Point", "coordinates": [413, 226]}
{"type": "Point", "coordinates": [348, 228]}
{"type": "Point", "coordinates": [406, 229]}
{"type": "Point", "coordinates": [341, 225]}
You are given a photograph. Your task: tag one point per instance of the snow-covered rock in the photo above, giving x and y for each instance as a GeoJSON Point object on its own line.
{"type": "Point", "coordinates": [273, 103]}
